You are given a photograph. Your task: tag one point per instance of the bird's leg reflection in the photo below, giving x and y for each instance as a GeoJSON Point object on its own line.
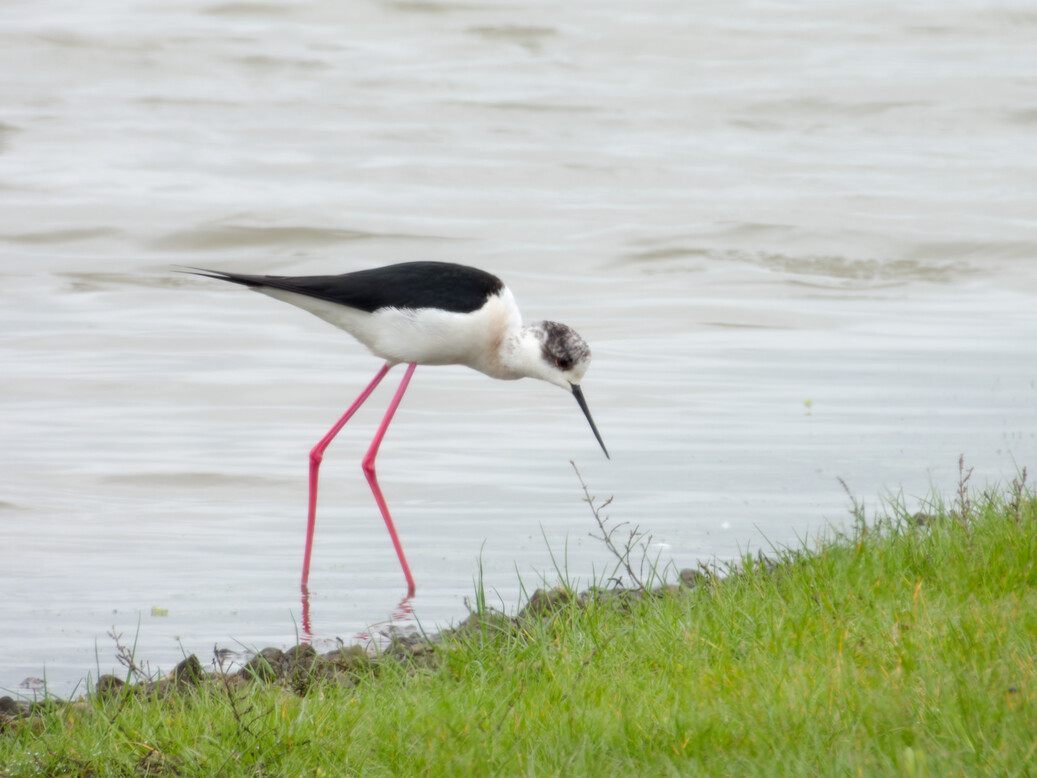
{"type": "Point", "coordinates": [399, 616]}
{"type": "Point", "coordinates": [307, 625]}
{"type": "Point", "coordinates": [402, 613]}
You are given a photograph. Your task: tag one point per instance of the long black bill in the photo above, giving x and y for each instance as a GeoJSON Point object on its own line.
{"type": "Point", "coordinates": [578, 394]}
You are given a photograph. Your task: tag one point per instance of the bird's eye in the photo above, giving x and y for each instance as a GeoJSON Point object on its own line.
{"type": "Point", "coordinates": [563, 363]}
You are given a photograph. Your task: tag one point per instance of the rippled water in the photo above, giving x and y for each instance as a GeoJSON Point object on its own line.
{"type": "Point", "coordinates": [800, 238]}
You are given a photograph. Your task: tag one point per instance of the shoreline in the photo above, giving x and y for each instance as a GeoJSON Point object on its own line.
{"type": "Point", "coordinates": [905, 646]}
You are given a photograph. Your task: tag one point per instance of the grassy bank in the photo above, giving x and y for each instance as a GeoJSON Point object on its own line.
{"type": "Point", "coordinates": [906, 648]}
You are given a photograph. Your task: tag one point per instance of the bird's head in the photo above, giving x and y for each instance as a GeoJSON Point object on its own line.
{"type": "Point", "coordinates": [557, 354]}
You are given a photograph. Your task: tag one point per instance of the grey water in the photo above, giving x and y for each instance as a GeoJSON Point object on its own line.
{"type": "Point", "coordinates": [801, 239]}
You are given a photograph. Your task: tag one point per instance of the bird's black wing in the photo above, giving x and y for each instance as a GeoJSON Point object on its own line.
{"type": "Point", "coordinates": [442, 285]}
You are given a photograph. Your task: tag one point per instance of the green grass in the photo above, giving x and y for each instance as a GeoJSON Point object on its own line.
{"type": "Point", "coordinates": [905, 648]}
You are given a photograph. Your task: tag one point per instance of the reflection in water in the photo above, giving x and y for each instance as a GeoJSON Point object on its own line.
{"type": "Point", "coordinates": [307, 623]}
{"type": "Point", "coordinates": [400, 619]}
{"type": "Point", "coordinates": [401, 615]}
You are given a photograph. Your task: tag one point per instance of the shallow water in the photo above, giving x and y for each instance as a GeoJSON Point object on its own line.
{"type": "Point", "coordinates": [801, 240]}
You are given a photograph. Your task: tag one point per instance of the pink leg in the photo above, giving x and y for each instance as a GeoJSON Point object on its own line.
{"type": "Point", "coordinates": [317, 454]}
{"type": "Point", "coordinates": [372, 479]}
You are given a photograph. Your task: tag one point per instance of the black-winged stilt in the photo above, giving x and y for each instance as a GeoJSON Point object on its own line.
{"type": "Point", "coordinates": [425, 313]}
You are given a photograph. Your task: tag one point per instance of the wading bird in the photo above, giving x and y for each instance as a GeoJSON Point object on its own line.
{"type": "Point", "coordinates": [425, 313]}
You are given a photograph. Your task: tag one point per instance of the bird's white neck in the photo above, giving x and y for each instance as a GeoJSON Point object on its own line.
{"type": "Point", "coordinates": [520, 353]}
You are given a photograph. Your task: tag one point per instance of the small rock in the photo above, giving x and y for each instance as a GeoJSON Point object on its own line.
{"type": "Point", "coordinates": [545, 602]}
{"type": "Point", "coordinates": [690, 577]}
{"type": "Point", "coordinates": [109, 686]}
{"type": "Point", "coordinates": [189, 672]}
{"type": "Point", "coordinates": [301, 668]}
{"type": "Point", "coordinates": [10, 707]}
{"type": "Point", "coordinates": [486, 622]}
{"type": "Point", "coordinates": [267, 665]}
{"type": "Point", "coordinates": [303, 653]}
{"type": "Point", "coordinates": [349, 658]}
